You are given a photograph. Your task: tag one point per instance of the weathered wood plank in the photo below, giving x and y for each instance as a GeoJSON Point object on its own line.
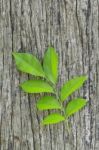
{"type": "Point", "coordinates": [71, 26]}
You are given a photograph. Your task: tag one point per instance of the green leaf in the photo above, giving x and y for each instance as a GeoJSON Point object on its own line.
{"type": "Point", "coordinates": [36, 86]}
{"type": "Point", "coordinates": [28, 63]}
{"type": "Point", "coordinates": [74, 106]}
{"type": "Point", "coordinates": [48, 102]}
{"type": "Point", "coordinates": [53, 119]}
{"type": "Point", "coordinates": [71, 86]}
{"type": "Point", "coordinates": [50, 64]}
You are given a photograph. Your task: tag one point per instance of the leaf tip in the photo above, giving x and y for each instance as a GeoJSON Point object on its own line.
{"type": "Point", "coordinates": [20, 85]}
{"type": "Point", "coordinates": [85, 77]}
{"type": "Point", "coordinates": [13, 53]}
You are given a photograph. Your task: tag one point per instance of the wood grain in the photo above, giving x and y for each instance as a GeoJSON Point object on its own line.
{"type": "Point", "coordinates": [71, 26]}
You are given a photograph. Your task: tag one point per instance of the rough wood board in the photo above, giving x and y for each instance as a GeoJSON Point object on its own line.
{"type": "Point", "coordinates": [71, 26]}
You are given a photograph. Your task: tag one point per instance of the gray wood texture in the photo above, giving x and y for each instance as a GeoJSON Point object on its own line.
{"type": "Point", "coordinates": [71, 26]}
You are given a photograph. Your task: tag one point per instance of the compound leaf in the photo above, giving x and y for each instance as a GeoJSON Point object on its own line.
{"type": "Point", "coordinates": [48, 102]}
{"type": "Point", "coordinates": [72, 85]}
{"type": "Point", "coordinates": [50, 65]}
{"type": "Point", "coordinates": [74, 106]}
{"type": "Point", "coordinates": [28, 63]}
{"type": "Point", "coordinates": [53, 119]}
{"type": "Point", "coordinates": [36, 86]}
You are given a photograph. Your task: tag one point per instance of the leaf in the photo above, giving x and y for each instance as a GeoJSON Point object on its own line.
{"type": "Point", "coordinates": [53, 119]}
{"type": "Point", "coordinates": [71, 86]}
{"type": "Point", "coordinates": [48, 102]}
{"type": "Point", "coordinates": [28, 63]}
{"type": "Point", "coordinates": [50, 65]}
{"type": "Point", "coordinates": [36, 86]}
{"type": "Point", "coordinates": [74, 106]}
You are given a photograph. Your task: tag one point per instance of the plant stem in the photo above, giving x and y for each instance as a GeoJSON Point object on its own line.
{"type": "Point", "coordinates": [62, 107]}
{"type": "Point", "coordinates": [58, 98]}
{"type": "Point", "coordinates": [67, 125]}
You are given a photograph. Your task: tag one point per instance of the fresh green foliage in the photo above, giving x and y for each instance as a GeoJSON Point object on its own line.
{"type": "Point", "coordinates": [74, 106]}
{"type": "Point", "coordinates": [71, 86]}
{"type": "Point", "coordinates": [36, 86]}
{"type": "Point", "coordinates": [48, 102]}
{"type": "Point", "coordinates": [50, 65]}
{"type": "Point", "coordinates": [28, 63]}
{"type": "Point", "coordinates": [53, 118]}
{"type": "Point", "coordinates": [47, 84]}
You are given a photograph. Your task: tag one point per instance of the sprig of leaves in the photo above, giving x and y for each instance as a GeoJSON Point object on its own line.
{"type": "Point", "coordinates": [28, 63]}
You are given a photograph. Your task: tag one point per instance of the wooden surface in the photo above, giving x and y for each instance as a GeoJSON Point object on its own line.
{"type": "Point", "coordinates": [71, 26]}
